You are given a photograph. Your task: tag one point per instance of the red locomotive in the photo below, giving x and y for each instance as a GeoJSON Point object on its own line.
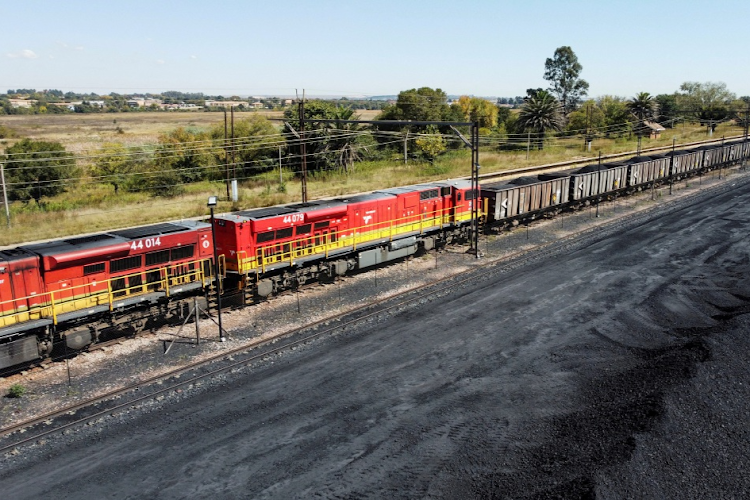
{"type": "Point", "coordinates": [274, 248]}
{"type": "Point", "coordinates": [74, 289]}
{"type": "Point", "coordinates": [70, 292]}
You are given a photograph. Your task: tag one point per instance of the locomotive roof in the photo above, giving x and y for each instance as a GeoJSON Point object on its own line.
{"type": "Point", "coordinates": [378, 195]}
{"type": "Point", "coordinates": [266, 212]}
{"type": "Point", "coordinates": [12, 254]}
{"type": "Point", "coordinates": [101, 240]}
{"type": "Point", "coordinates": [158, 229]}
{"type": "Point", "coordinates": [315, 205]}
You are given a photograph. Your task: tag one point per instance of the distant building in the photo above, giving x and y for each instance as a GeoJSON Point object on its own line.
{"type": "Point", "coordinates": [257, 105]}
{"type": "Point", "coordinates": [227, 104]}
{"type": "Point", "coordinates": [22, 103]}
{"type": "Point", "coordinates": [654, 129]}
{"type": "Point", "coordinates": [143, 102]}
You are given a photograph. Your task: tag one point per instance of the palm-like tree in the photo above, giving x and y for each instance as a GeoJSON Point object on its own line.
{"type": "Point", "coordinates": [541, 113]}
{"type": "Point", "coordinates": [643, 107]}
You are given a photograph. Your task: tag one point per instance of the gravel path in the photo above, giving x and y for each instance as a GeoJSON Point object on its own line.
{"type": "Point", "coordinates": [608, 368]}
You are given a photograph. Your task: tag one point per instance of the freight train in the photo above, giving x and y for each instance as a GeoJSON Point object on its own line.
{"type": "Point", "coordinates": [68, 294]}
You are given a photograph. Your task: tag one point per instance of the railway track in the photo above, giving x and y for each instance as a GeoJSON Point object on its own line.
{"type": "Point", "coordinates": [129, 397]}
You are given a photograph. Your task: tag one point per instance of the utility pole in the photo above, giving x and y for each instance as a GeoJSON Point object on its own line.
{"type": "Point", "coordinates": [303, 149]}
{"type": "Point", "coordinates": [5, 192]}
{"type": "Point", "coordinates": [587, 141]}
{"type": "Point", "coordinates": [234, 165]}
{"type": "Point", "coordinates": [474, 197]}
{"type": "Point", "coordinates": [226, 151]}
{"type": "Point", "coordinates": [406, 140]}
{"type": "Point", "coordinates": [528, 143]}
{"type": "Point", "coordinates": [475, 186]}
{"type": "Point", "coordinates": [745, 146]}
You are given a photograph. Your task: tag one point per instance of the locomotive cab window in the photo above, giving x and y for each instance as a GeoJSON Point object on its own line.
{"type": "Point", "coordinates": [321, 225]}
{"type": "Point", "coordinates": [303, 229]}
{"type": "Point", "coordinates": [445, 191]}
{"type": "Point", "coordinates": [458, 196]}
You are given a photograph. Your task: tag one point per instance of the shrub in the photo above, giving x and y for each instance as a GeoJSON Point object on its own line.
{"type": "Point", "coordinates": [16, 391]}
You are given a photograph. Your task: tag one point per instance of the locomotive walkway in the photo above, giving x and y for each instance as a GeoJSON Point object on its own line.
{"type": "Point", "coordinates": [613, 364]}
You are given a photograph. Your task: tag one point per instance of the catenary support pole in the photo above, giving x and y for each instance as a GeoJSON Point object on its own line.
{"type": "Point", "coordinates": [5, 193]}
{"type": "Point", "coordinates": [303, 149]}
{"type": "Point", "coordinates": [217, 274]}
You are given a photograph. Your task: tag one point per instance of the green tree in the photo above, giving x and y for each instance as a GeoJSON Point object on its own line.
{"type": "Point", "coordinates": [330, 145]}
{"type": "Point", "coordinates": [589, 118]}
{"type": "Point", "coordinates": [432, 143]}
{"type": "Point", "coordinates": [256, 145]}
{"type": "Point", "coordinates": [710, 103]}
{"type": "Point", "coordinates": [112, 165]}
{"type": "Point", "coordinates": [563, 71]}
{"type": "Point", "coordinates": [668, 111]}
{"type": "Point", "coordinates": [35, 169]}
{"type": "Point", "coordinates": [616, 115]}
{"type": "Point", "coordinates": [478, 110]}
{"type": "Point", "coordinates": [184, 156]}
{"type": "Point", "coordinates": [423, 104]}
{"type": "Point", "coordinates": [540, 114]}
{"type": "Point", "coordinates": [643, 107]}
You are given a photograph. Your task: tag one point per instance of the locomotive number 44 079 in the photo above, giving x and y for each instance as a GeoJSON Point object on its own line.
{"type": "Point", "coordinates": [294, 218]}
{"type": "Point", "coordinates": [145, 243]}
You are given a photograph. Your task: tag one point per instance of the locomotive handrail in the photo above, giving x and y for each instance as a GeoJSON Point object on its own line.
{"type": "Point", "coordinates": [354, 237]}
{"type": "Point", "coordinates": [266, 254]}
{"type": "Point", "coordinates": [52, 303]}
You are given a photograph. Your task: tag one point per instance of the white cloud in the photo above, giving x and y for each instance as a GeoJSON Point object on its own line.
{"type": "Point", "coordinates": [160, 61]}
{"type": "Point", "coordinates": [193, 57]}
{"type": "Point", "coordinates": [25, 53]}
{"type": "Point", "coordinates": [79, 47]}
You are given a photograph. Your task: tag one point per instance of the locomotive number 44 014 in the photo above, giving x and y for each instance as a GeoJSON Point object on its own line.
{"type": "Point", "coordinates": [145, 243]}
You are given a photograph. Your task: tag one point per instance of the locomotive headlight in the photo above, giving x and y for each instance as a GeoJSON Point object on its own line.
{"type": "Point", "coordinates": [212, 201]}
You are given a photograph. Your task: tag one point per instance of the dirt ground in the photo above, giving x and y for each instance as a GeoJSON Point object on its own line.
{"type": "Point", "coordinates": [613, 366]}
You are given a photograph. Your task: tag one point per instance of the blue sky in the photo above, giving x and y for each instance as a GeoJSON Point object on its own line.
{"type": "Point", "coordinates": [332, 47]}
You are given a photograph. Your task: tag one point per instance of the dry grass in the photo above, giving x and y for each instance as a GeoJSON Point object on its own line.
{"type": "Point", "coordinates": [83, 132]}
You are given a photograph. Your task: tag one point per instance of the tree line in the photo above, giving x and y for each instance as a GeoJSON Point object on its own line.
{"type": "Point", "coordinates": [38, 169]}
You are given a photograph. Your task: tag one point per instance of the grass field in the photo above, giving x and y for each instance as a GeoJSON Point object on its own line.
{"type": "Point", "coordinates": [95, 207]}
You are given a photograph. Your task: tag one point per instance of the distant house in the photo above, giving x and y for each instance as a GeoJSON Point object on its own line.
{"type": "Point", "coordinates": [22, 103]}
{"type": "Point", "coordinates": [257, 105]}
{"type": "Point", "coordinates": [140, 102]}
{"type": "Point", "coordinates": [654, 129]}
{"type": "Point", "coordinates": [226, 104]}
{"type": "Point", "coordinates": [288, 102]}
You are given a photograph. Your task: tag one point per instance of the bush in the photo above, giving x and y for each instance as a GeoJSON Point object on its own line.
{"type": "Point", "coordinates": [16, 391]}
